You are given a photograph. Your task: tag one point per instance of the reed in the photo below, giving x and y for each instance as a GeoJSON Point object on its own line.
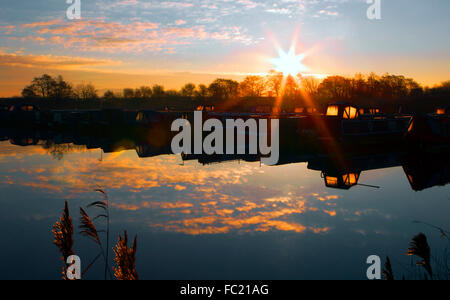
{"type": "Point", "coordinates": [89, 230]}
{"type": "Point", "coordinates": [63, 237]}
{"type": "Point", "coordinates": [387, 272]}
{"type": "Point", "coordinates": [125, 259]}
{"type": "Point", "coordinates": [105, 206]}
{"type": "Point", "coordinates": [419, 247]}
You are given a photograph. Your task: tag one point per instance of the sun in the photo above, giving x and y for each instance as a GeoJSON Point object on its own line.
{"type": "Point", "coordinates": [289, 63]}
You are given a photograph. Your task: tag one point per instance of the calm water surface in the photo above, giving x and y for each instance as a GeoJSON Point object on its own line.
{"type": "Point", "coordinates": [234, 220]}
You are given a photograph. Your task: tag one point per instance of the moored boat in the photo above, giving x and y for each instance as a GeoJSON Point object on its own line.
{"type": "Point", "coordinates": [430, 129]}
{"type": "Point", "coordinates": [345, 122]}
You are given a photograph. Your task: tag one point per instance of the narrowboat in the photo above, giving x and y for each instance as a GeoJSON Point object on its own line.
{"type": "Point", "coordinates": [344, 122]}
{"type": "Point", "coordinates": [5, 112]}
{"type": "Point", "coordinates": [425, 170]}
{"type": "Point", "coordinates": [430, 129]}
{"type": "Point", "coordinates": [20, 114]}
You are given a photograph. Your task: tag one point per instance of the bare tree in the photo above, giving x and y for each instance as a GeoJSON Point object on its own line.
{"type": "Point", "coordinates": [86, 91]}
{"type": "Point", "coordinates": [252, 86]}
{"type": "Point", "coordinates": [188, 90]}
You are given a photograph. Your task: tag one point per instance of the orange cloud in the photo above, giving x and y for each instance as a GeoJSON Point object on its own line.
{"type": "Point", "coordinates": [99, 35]}
{"type": "Point", "coordinates": [219, 200]}
{"type": "Point", "coordinates": [53, 62]}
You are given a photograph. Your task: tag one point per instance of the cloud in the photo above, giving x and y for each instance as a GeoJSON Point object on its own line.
{"type": "Point", "coordinates": [189, 199]}
{"type": "Point", "coordinates": [100, 35]}
{"type": "Point", "coordinates": [53, 62]}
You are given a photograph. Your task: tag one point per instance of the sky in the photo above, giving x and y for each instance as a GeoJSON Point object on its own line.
{"type": "Point", "coordinates": [129, 43]}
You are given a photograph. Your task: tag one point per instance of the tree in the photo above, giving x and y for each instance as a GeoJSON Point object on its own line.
{"type": "Point", "coordinates": [62, 90]}
{"type": "Point", "coordinates": [275, 83]}
{"type": "Point", "coordinates": [137, 94]}
{"type": "Point", "coordinates": [446, 85]}
{"type": "Point", "coordinates": [290, 87]}
{"type": "Point", "coordinates": [85, 91]}
{"type": "Point", "coordinates": [172, 93]}
{"type": "Point", "coordinates": [202, 91]}
{"type": "Point", "coordinates": [310, 85]}
{"type": "Point", "coordinates": [157, 91]}
{"type": "Point", "coordinates": [224, 89]}
{"type": "Point", "coordinates": [188, 90]}
{"type": "Point", "coordinates": [47, 87]}
{"type": "Point", "coordinates": [109, 95]}
{"type": "Point", "coordinates": [335, 88]}
{"type": "Point", "coordinates": [146, 92]}
{"type": "Point", "coordinates": [128, 93]}
{"type": "Point", "coordinates": [252, 86]}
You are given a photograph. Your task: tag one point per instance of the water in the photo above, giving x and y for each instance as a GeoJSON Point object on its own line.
{"type": "Point", "coordinates": [229, 220]}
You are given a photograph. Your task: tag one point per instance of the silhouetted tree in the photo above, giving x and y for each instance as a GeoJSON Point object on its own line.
{"type": "Point", "coordinates": [158, 91]}
{"type": "Point", "coordinates": [335, 88]}
{"type": "Point", "coordinates": [252, 86]}
{"type": "Point", "coordinates": [310, 85]}
{"type": "Point", "coordinates": [172, 93]}
{"type": "Point", "coordinates": [274, 83]}
{"type": "Point", "coordinates": [291, 87]}
{"type": "Point", "coordinates": [85, 91]}
{"type": "Point", "coordinates": [63, 90]}
{"type": "Point", "coordinates": [137, 94]}
{"type": "Point", "coordinates": [128, 93]}
{"type": "Point", "coordinates": [202, 91]}
{"type": "Point", "coordinates": [224, 89]}
{"type": "Point", "coordinates": [109, 95]}
{"type": "Point", "coordinates": [188, 90]}
{"type": "Point", "coordinates": [48, 87]}
{"type": "Point", "coordinates": [446, 85]}
{"type": "Point", "coordinates": [146, 92]}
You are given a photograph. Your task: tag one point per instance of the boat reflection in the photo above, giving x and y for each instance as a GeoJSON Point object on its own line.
{"type": "Point", "coordinates": [341, 168]}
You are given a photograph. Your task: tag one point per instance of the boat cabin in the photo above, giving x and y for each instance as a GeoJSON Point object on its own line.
{"type": "Point", "coordinates": [342, 110]}
{"type": "Point", "coordinates": [341, 181]}
{"type": "Point", "coordinates": [443, 111]}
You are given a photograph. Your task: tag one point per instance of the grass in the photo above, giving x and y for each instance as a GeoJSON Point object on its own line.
{"type": "Point", "coordinates": [434, 267]}
{"type": "Point", "coordinates": [125, 257]}
{"type": "Point", "coordinates": [63, 237]}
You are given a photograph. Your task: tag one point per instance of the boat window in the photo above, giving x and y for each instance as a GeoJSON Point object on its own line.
{"type": "Point", "coordinates": [333, 110]}
{"type": "Point", "coordinates": [350, 112]}
{"type": "Point", "coordinates": [27, 108]}
{"type": "Point", "coordinates": [331, 181]}
{"type": "Point", "coordinates": [441, 111]}
{"type": "Point", "coordinates": [351, 179]}
{"type": "Point", "coordinates": [140, 117]}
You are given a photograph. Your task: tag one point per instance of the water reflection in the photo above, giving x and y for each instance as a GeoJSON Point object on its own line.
{"type": "Point", "coordinates": [340, 169]}
{"type": "Point", "coordinates": [311, 192]}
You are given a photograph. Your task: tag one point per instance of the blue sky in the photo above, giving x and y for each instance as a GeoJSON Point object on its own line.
{"type": "Point", "coordinates": [227, 37]}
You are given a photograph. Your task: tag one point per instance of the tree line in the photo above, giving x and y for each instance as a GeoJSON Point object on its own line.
{"type": "Point", "coordinates": [291, 88]}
